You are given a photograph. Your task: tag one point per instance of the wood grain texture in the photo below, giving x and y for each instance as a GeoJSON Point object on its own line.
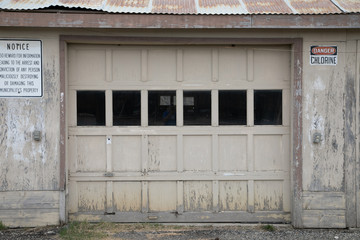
{"type": "Point", "coordinates": [189, 217]}
{"type": "Point", "coordinates": [324, 219]}
{"type": "Point", "coordinates": [29, 208]}
{"type": "Point", "coordinates": [350, 133]}
{"type": "Point", "coordinates": [323, 200]}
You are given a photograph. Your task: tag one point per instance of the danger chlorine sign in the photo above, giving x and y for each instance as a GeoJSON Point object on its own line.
{"type": "Point", "coordinates": [323, 55]}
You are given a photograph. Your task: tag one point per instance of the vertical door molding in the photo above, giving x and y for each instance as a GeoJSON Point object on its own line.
{"type": "Point", "coordinates": [357, 129]}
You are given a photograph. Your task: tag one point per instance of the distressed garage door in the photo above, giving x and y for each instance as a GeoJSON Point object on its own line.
{"type": "Point", "coordinates": [179, 133]}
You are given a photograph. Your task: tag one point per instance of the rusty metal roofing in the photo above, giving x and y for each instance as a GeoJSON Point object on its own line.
{"type": "Point", "coordinates": [318, 6]}
{"type": "Point", "coordinates": [193, 7]}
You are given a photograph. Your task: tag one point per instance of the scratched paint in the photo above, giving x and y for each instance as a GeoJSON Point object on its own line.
{"type": "Point", "coordinates": [323, 108]}
{"type": "Point", "coordinates": [233, 195]}
{"type": "Point", "coordinates": [27, 164]}
{"type": "Point", "coordinates": [162, 153]}
{"type": "Point", "coordinates": [91, 196]}
{"type": "Point", "coordinates": [197, 196]}
{"type": "Point", "coordinates": [268, 196]}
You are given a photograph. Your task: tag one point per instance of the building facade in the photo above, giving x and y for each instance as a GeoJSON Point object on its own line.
{"type": "Point", "coordinates": [200, 114]}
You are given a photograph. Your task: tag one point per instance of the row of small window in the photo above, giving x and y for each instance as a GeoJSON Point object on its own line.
{"type": "Point", "coordinates": [162, 108]}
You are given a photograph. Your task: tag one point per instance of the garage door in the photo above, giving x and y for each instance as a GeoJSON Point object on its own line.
{"type": "Point", "coordinates": [179, 133]}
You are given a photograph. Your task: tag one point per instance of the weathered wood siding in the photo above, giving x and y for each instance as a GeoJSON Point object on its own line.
{"type": "Point", "coordinates": [29, 170]}
{"type": "Point", "coordinates": [323, 112]}
{"type": "Point", "coordinates": [29, 208]}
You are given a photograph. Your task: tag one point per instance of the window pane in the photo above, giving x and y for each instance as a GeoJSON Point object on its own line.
{"type": "Point", "coordinates": [197, 107]}
{"type": "Point", "coordinates": [90, 108]}
{"type": "Point", "coordinates": [162, 108]}
{"type": "Point", "coordinates": [268, 107]}
{"type": "Point", "coordinates": [232, 107]}
{"type": "Point", "coordinates": [126, 108]}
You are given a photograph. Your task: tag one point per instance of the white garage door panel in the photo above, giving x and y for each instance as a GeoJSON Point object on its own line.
{"type": "Point", "coordinates": [87, 66]}
{"type": "Point", "coordinates": [197, 153]}
{"type": "Point", "coordinates": [92, 196]}
{"type": "Point", "coordinates": [162, 153]}
{"type": "Point", "coordinates": [233, 153]}
{"type": "Point", "coordinates": [211, 173]}
{"type": "Point", "coordinates": [198, 196]}
{"type": "Point", "coordinates": [269, 196]}
{"type": "Point", "coordinates": [162, 65]}
{"type": "Point", "coordinates": [126, 65]}
{"type": "Point", "coordinates": [272, 64]}
{"type": "Point", "coordinates": [126, 156]}
{"type": "Point", "coordinates": [232, 65]}
{"type": "Point", "coordinates": [162, 196]}
{"type": "Point", "coordinates": [197, 65]}
{"type": "Point", "coordinates": [233, 195]}
{"type": "Point", "coordinates": [127, 196]}
{"type": "Point", "coordinates": [268, 152]}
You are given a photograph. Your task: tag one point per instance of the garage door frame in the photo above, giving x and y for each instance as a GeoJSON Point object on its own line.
{"type": "Point", "coordinates": [296, 126]}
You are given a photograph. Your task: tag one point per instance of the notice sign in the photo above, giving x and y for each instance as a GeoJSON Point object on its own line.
{"type": "Point", "coordinates": [20, 68]}
{"type": "Point", "coordinates": [323, 55]}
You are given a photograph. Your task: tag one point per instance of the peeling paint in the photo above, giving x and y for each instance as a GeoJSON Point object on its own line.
{"type": "Point", "coordinates": [319, 84]}
{"type": "Point", "coordinates": [323, 106]}
{"type": "Point", "coordinates": [27, 164]}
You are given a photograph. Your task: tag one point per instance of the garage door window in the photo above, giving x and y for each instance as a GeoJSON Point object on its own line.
{"type": "Point", "coordinates": [268, 107]}
{"type": "Point", "coordinates": [126, 108]}
{"type": "Point", "coordinates": [90, 108]}
{"type": "Point", "coordinates": [197, 107]}
{"type": "Point", "coordinates": [232, 107]}
{"type": "Point", "coordinates": [162, 108]}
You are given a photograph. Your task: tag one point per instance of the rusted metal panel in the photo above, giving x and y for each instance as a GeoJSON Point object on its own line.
{"type": "Point", "coordinates": [267, 6]}
{"type": "Point", "coordinates": [174, 6]}
{"type": "Point", "coordinates": [348, 5]}
{"type": "Point", "coordinates": [209, 3]}
{"type": "Point", "coordinates": [140, 6]}
{"type": "Point", "coordinates": [26, 4]}
{"type": "Point", "coordinates": [92, 4]}
{"type": "Point", "coordinates": [314, 7]}
{"type": "Point", "coordinates": [195, 7]}
{"type": "Point", "coordinates": [221, 7]}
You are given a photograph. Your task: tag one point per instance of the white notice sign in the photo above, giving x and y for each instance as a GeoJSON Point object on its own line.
{"type": "Point", "coordinates": [20, 68]}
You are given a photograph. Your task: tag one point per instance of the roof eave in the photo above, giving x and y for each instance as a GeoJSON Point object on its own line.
{"type": "Point", "coordinates": [162, 21]}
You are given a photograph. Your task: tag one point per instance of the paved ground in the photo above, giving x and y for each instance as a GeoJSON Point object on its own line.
{"type": "Point", "coordinates": [180, 232]}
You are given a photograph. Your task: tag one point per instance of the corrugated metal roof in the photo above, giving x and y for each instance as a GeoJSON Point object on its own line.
{"type": "Point", "coordinates": [316, 6]}
{"type": "Point", "coordinates": [267, 6]}
{"type": "Point", "coordinates": [234, 7]}
{"type": "Point", "coordinates": [348, 5]}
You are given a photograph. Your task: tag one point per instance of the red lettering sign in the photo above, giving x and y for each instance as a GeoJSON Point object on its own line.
{"type": "Point", "coordinates": [323, 50]}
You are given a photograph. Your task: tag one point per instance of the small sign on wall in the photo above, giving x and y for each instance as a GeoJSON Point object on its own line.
{"type": "Point", "coordinates": [323, 55]}
{"type": "Point", "coordinates": [20, 68]}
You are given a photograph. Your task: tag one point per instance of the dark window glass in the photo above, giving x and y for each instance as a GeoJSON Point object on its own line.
{"type": "Point", "coordinates": [268, 107]}
{"type": "Point", "coordinates": [162, 108]}
{"type": "Point", "coordinates": [232, 107]}
{"type": "Point", "coordinates": [197, 108]}
{"type": "Point", "coordinates": [90, 108]}
{"type": "Point", "coordinates": [126, 108]}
